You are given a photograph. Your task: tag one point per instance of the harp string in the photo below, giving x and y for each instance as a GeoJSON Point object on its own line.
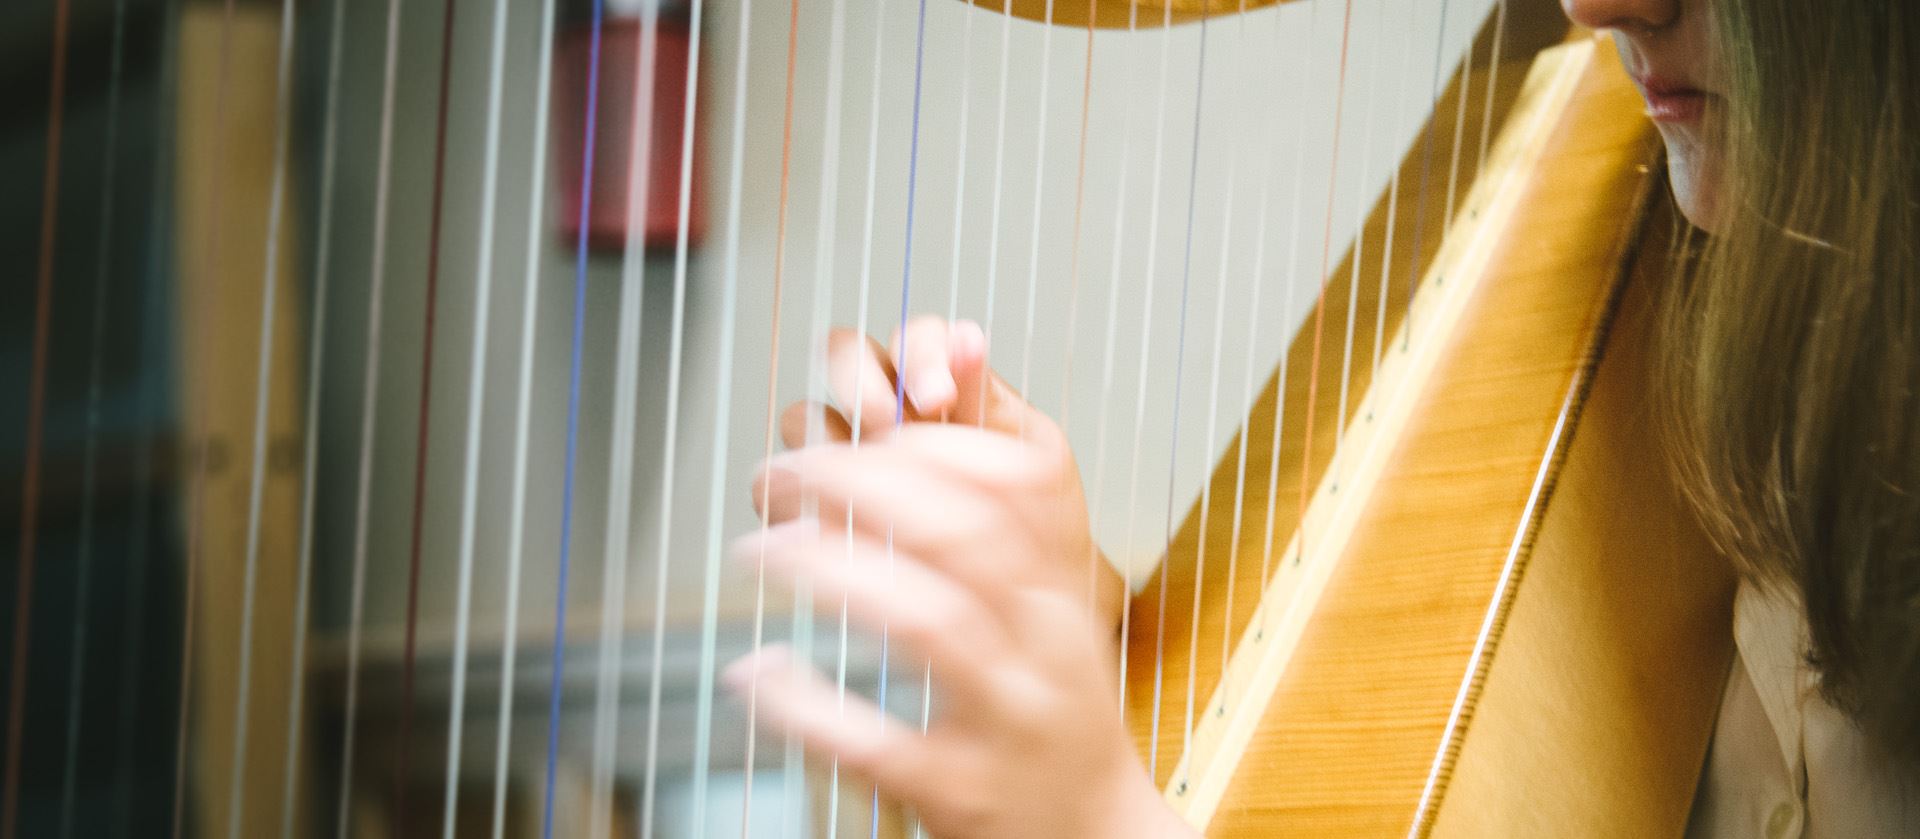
{"type": "Point", "coordinates": [900, 391]}
{"type": "Point", "coordinates": [263, 378]}
{"type": "Point", "coordinates": [529, 308]}
{"type": "Point", "coordinates": [1073, 271]}
{"type": "Point", "coordinates": [1250, 396]}
{"type": "Point", "coordinates": [1493, 80]}
{"type": "Point", "coordinates": [723, 397]}
{"type": "Point", "coordinates": [1357, 260]}
{"type": "Point", "coordinates": [369, 403]}
{"type": "Point", "coordinates": [616, 556]}
{"type": "Point", "coordinates": [819, 323]}
{"type": "Point", "coordinates": [83, 561]}
{"type": "Point", "coordinates": [900, 360]}
{"type": "Point", "coordinates": [1321, 278]}
{"type": "Point", "coordinates": [1140, 391]}
{"type": "Point", "coordinates": [1459, 133]}
{"type": "Point", "coordinates": [669, 447]}
{"type": "Point", "coordinates": [1393, 213]}
{"type": "Point", "coordinates": [999, 178]}
{"type": "Point", "coordinates": [1039, 191]}
{"type": "Point", "coordinates": [953, 283]}
{"type": "Point", "coordinates": [859, 401]}
{"type": "Point", "coordinates": [1180, 347]}
{"type": "Point", "coordinates": [573, 413]}
{"type": "Point", "coordinates": [310, 428]}
{"type": "Point", "coordinates": [965, 97]}
{"type": "Point", "coordinates": [1296, 216]}
{"type": "Point", "coordinates": [1426, 169]}
{"type": "Point", "coordinates": [825, 228]}
{"type": "Point", "coordinates": [1236, 146]}
{"type": "Point", "coordinates": [825, 218]}
{"type": "Point", "coordinates": [773, 404]}
{"type": "Point", "coordinates": [1106, 365]}
{"type": "Point", "coordinates": [476, 394]}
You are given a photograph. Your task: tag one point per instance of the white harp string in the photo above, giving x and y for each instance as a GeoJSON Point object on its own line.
{"type": "Point", "coordinates": [522, 421]}
{"type": "Point", "coordinates": [476, 396]}
{"type": "Point", "coordinates": [820, 324]}
{"type": "Point", "coordinates": [1393, 206]}
{"type": "Point", "coordinates": [999, 179]}
{"type": "Point", "coordinates": [758, 633]}
{"type": "Point", "coordinates": [723, 397]}
{"type": "Point", "coordinates": [310, 428]}
{"type": "Point", "coordinates": [1180, 344]}
{"type": "Point", "coordinates": [368, 403]}
{"type": "Point", "coordinates": [1292, 283]}
{"type": "Point", "coordinates": [865, 311]}
{"type": "Point", "coordinates": [826, 215]}
{"type": "Point", "coordinates": [618, 554]}
{"type": "Point", "coordinates": [1039, 192]}
{"type": "Point", "coordinates": [1257, 285]}
{"type": "Point", "coordinates": [683, 209]}
{"type": "Point", "coordinates": [1106, 356]}
{"type": "Point", "coordinates": [825, 237]}
{"type": "Point", "coordinates": [1465, 90]}
{"type": "Point", "coordinates": [965, 98]}
{"type": "Point", "coordinates": [1151, 266]}
{"type": "Point", "coordinates": [263, 379]}
{"type": "Point", "coordinates": [1357, 257]}
{"type": "Point", "coordinates": [1221, 279]}
{"type": "Point", "coordinates": [1493, 81]}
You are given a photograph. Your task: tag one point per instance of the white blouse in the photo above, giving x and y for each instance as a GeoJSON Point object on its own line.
{"type": "Point", "coordinates": [1784, 762]}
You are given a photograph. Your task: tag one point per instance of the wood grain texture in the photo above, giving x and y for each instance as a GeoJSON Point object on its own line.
{"type": "Point", "coordinates": [1348, 742]}
{"type": "Point", "coordinates": [1247, 519]}
{"type": "Point", "coordinates": [1597, 711]}
{"type": "Point", "coordinates": [1385, 411]}
{"type": "Point", "coordinates": [1237, 534]}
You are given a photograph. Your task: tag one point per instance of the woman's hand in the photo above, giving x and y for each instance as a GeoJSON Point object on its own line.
{"type": "Point", "coordinates": [967, 541]}
{"type": "Point", "coordinates": [947, 381]}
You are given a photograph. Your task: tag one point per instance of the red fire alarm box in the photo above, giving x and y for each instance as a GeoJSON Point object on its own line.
{"type": "Point", "coordinates": [617, 119]}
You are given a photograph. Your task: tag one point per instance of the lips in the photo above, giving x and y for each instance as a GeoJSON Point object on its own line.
{"type": "Point", "coordinates": [1673, 102]}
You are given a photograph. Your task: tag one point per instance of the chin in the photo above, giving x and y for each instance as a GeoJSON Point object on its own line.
{"type": "Point", "coordinates": [1695, 206]}
{"type": "Point", "coordinates": [1692, 175]}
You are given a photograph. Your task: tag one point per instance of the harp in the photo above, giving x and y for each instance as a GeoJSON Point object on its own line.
{"type": "Point", "coordinates": [320, 532]}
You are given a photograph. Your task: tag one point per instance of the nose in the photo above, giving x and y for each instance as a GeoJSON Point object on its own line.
{"type": "Point", "coordinates": [1632, 15]}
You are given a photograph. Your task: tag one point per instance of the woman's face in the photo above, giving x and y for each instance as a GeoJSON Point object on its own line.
{"type": "Point", "coordinates": [1669, 49]}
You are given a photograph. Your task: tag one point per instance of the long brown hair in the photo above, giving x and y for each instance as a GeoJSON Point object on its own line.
{"type": "Point", "coordinates": [1791, 350]}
